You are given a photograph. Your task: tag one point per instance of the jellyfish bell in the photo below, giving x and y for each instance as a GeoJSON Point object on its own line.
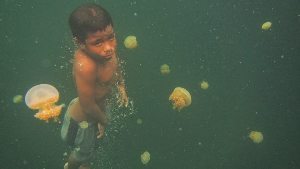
{"type": "Point", "coordinates": [130, 42]}
{"type": "Point", "coordinates": [145, 157]}
{"type": "Point", "coordinates": [204, 85]}
{"type": "Point", "coordinates": [266, 25]}
{"type": "Point", "coordinates": [139, 121]}
{"type": "Point", "coordinates": [84, 124]}
{"type": "Point", "coordinates": [38, 95]}
{"type": "Point", "coordinates": [256, 136]}
{"type": "Point", "coordinates": [180, 98]}
{"type": "Point", "coordinates": [17, 99]}
{"type": "Point", "coordinates": [165, 69]}
{"type": "Point", "coordinates": [43, 97]}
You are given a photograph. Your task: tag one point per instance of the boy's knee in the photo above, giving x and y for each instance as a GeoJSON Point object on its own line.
{"type": "Point", "coordinates": [85, 166]}
{"type": "Point", "coordinates": [72, 163]}
{"type": "Point", "coordinates": [66, 166]}
{"type": "Point", "coordinates": [79, 157]}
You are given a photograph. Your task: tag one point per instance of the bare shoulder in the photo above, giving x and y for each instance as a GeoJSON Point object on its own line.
{"type": "Point", "coordinates": [83, 65]}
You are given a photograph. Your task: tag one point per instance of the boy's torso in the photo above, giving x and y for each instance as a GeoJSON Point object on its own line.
{"type": "Point", "coordinates": [106, 78]}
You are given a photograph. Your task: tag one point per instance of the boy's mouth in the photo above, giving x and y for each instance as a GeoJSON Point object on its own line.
{"type": "Point", "coordinates": [107, 56]}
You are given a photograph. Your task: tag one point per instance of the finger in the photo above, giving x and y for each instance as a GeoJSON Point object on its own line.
{"type": "Point", "coordinates": [100, 135]}
{"type": "Point", "coordinates": [126, 102]}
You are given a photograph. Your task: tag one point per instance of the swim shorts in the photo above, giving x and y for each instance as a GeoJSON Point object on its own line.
{"type": "Point", "coordinates": [82, 137]}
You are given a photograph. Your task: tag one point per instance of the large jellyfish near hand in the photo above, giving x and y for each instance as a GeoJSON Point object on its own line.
{"type": "Point", "coordinates": [180, 98]}
{"type": "Point", "coordinates": [43, 98]}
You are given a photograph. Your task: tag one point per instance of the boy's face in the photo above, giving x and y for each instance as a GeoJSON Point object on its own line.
{"type": "Point", "coordinates": [101, 43]}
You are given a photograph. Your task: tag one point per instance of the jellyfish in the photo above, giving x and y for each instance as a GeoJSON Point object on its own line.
{"type": "Point", "coordinates": [130, 42]}
{"type": "Point", "coordinates": [139, 121]}
{"type": "Point", "coordinates": [256, 136]}
{"type": "Point", "coordinates": [145, 157]}
{"type": "Point", "coordinates": [43, 98]}
{"type": "Point", "coordinates": [17, 99]}
{"type": "Point", "coordinates": [180, 98]}
{"type": "Point", "coordinates": [84, 124]}
{"type": "Point", "coordinates": [266, 26]}
{"type": "Point", "coordinates": [165, 69]}
{"type": "Point", "coordinates": [204, 85]}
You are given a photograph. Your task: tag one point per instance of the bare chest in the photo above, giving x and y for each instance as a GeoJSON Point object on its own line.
{"type": "Point", "coordinates": [106, 74]}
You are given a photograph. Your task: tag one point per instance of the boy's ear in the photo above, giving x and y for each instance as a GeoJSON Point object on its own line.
{"type": "Point", "coordinates": [78, 43]}
{"type": "Point", "coordinates": [75, 41]}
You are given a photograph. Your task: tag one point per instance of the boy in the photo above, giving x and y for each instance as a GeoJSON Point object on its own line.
{"type": "Point", "coordinates": [96, 72]}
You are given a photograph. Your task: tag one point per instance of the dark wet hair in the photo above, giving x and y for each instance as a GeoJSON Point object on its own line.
{"type": "Point", "coordinates": [88, 18]}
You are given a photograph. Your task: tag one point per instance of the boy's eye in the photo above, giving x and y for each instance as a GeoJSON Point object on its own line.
{"type": "Point", "coordinates": [98, 43]}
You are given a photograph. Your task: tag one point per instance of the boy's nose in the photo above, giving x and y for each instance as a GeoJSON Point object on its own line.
{"type": "Point", "coordinates": [107, 46]}
{"type": "Point", "coordinates": [108, 50]}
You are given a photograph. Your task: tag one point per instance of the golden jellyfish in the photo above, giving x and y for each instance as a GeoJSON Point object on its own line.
{"type": "Point", "coordinates": [266, 26]}
{"type": "Point", "coordinates": [43, 98]}
{"type": "Point", "coordinates": [17, 99]}
{"type": "Point", "coordinates": [256, 136]}
{"type": "Point", "coordinates": [130, 42]}
{"type": "Point", "coordinates": [145, 157]}
{"type": "Point", "coordinates": [180, 98]}
{"type": "Point", "coordinates": [204, 85]}
{"type": "Point", "coordinates": [84, 124]}
{"type": "Point", "coordinates": [165, 69]}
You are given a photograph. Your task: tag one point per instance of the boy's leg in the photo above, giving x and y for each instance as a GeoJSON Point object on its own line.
{"type": "Point", "coordinates": [84, 166]}
{"type": "Point", "coordinates": [84, 147]}
{"type": "Point", "coordinates": [66, 166]}
{"type": "Point", "coordinates": [83, 140]}
{"type": "Point", "coordinates": [72, 162]}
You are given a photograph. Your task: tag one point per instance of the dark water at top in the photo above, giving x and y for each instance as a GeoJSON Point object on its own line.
{"type": "Point", "coordinates": [254, 79]}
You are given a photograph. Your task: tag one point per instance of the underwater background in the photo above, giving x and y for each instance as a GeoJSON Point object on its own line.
{"type": "Point", "coordinates": [253, 76]}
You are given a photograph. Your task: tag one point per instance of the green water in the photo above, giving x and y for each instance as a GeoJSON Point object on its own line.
{"type": "Point", "coordinates": [254, 79]}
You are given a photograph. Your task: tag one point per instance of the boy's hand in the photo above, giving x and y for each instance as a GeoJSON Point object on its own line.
{"type": "Point", "coordinates": [101, 131]}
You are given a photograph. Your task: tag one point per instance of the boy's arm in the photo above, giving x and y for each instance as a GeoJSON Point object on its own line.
{"type": "Point", "coordinates": [122, 88]}
{"type": "Point", "coordinates": [85, 77]}
{"type": "Point", "coordinates": [122, 91]}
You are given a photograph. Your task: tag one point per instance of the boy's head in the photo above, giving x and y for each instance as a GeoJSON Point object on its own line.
{"type": "Point", "coordinates": [88, 18]}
